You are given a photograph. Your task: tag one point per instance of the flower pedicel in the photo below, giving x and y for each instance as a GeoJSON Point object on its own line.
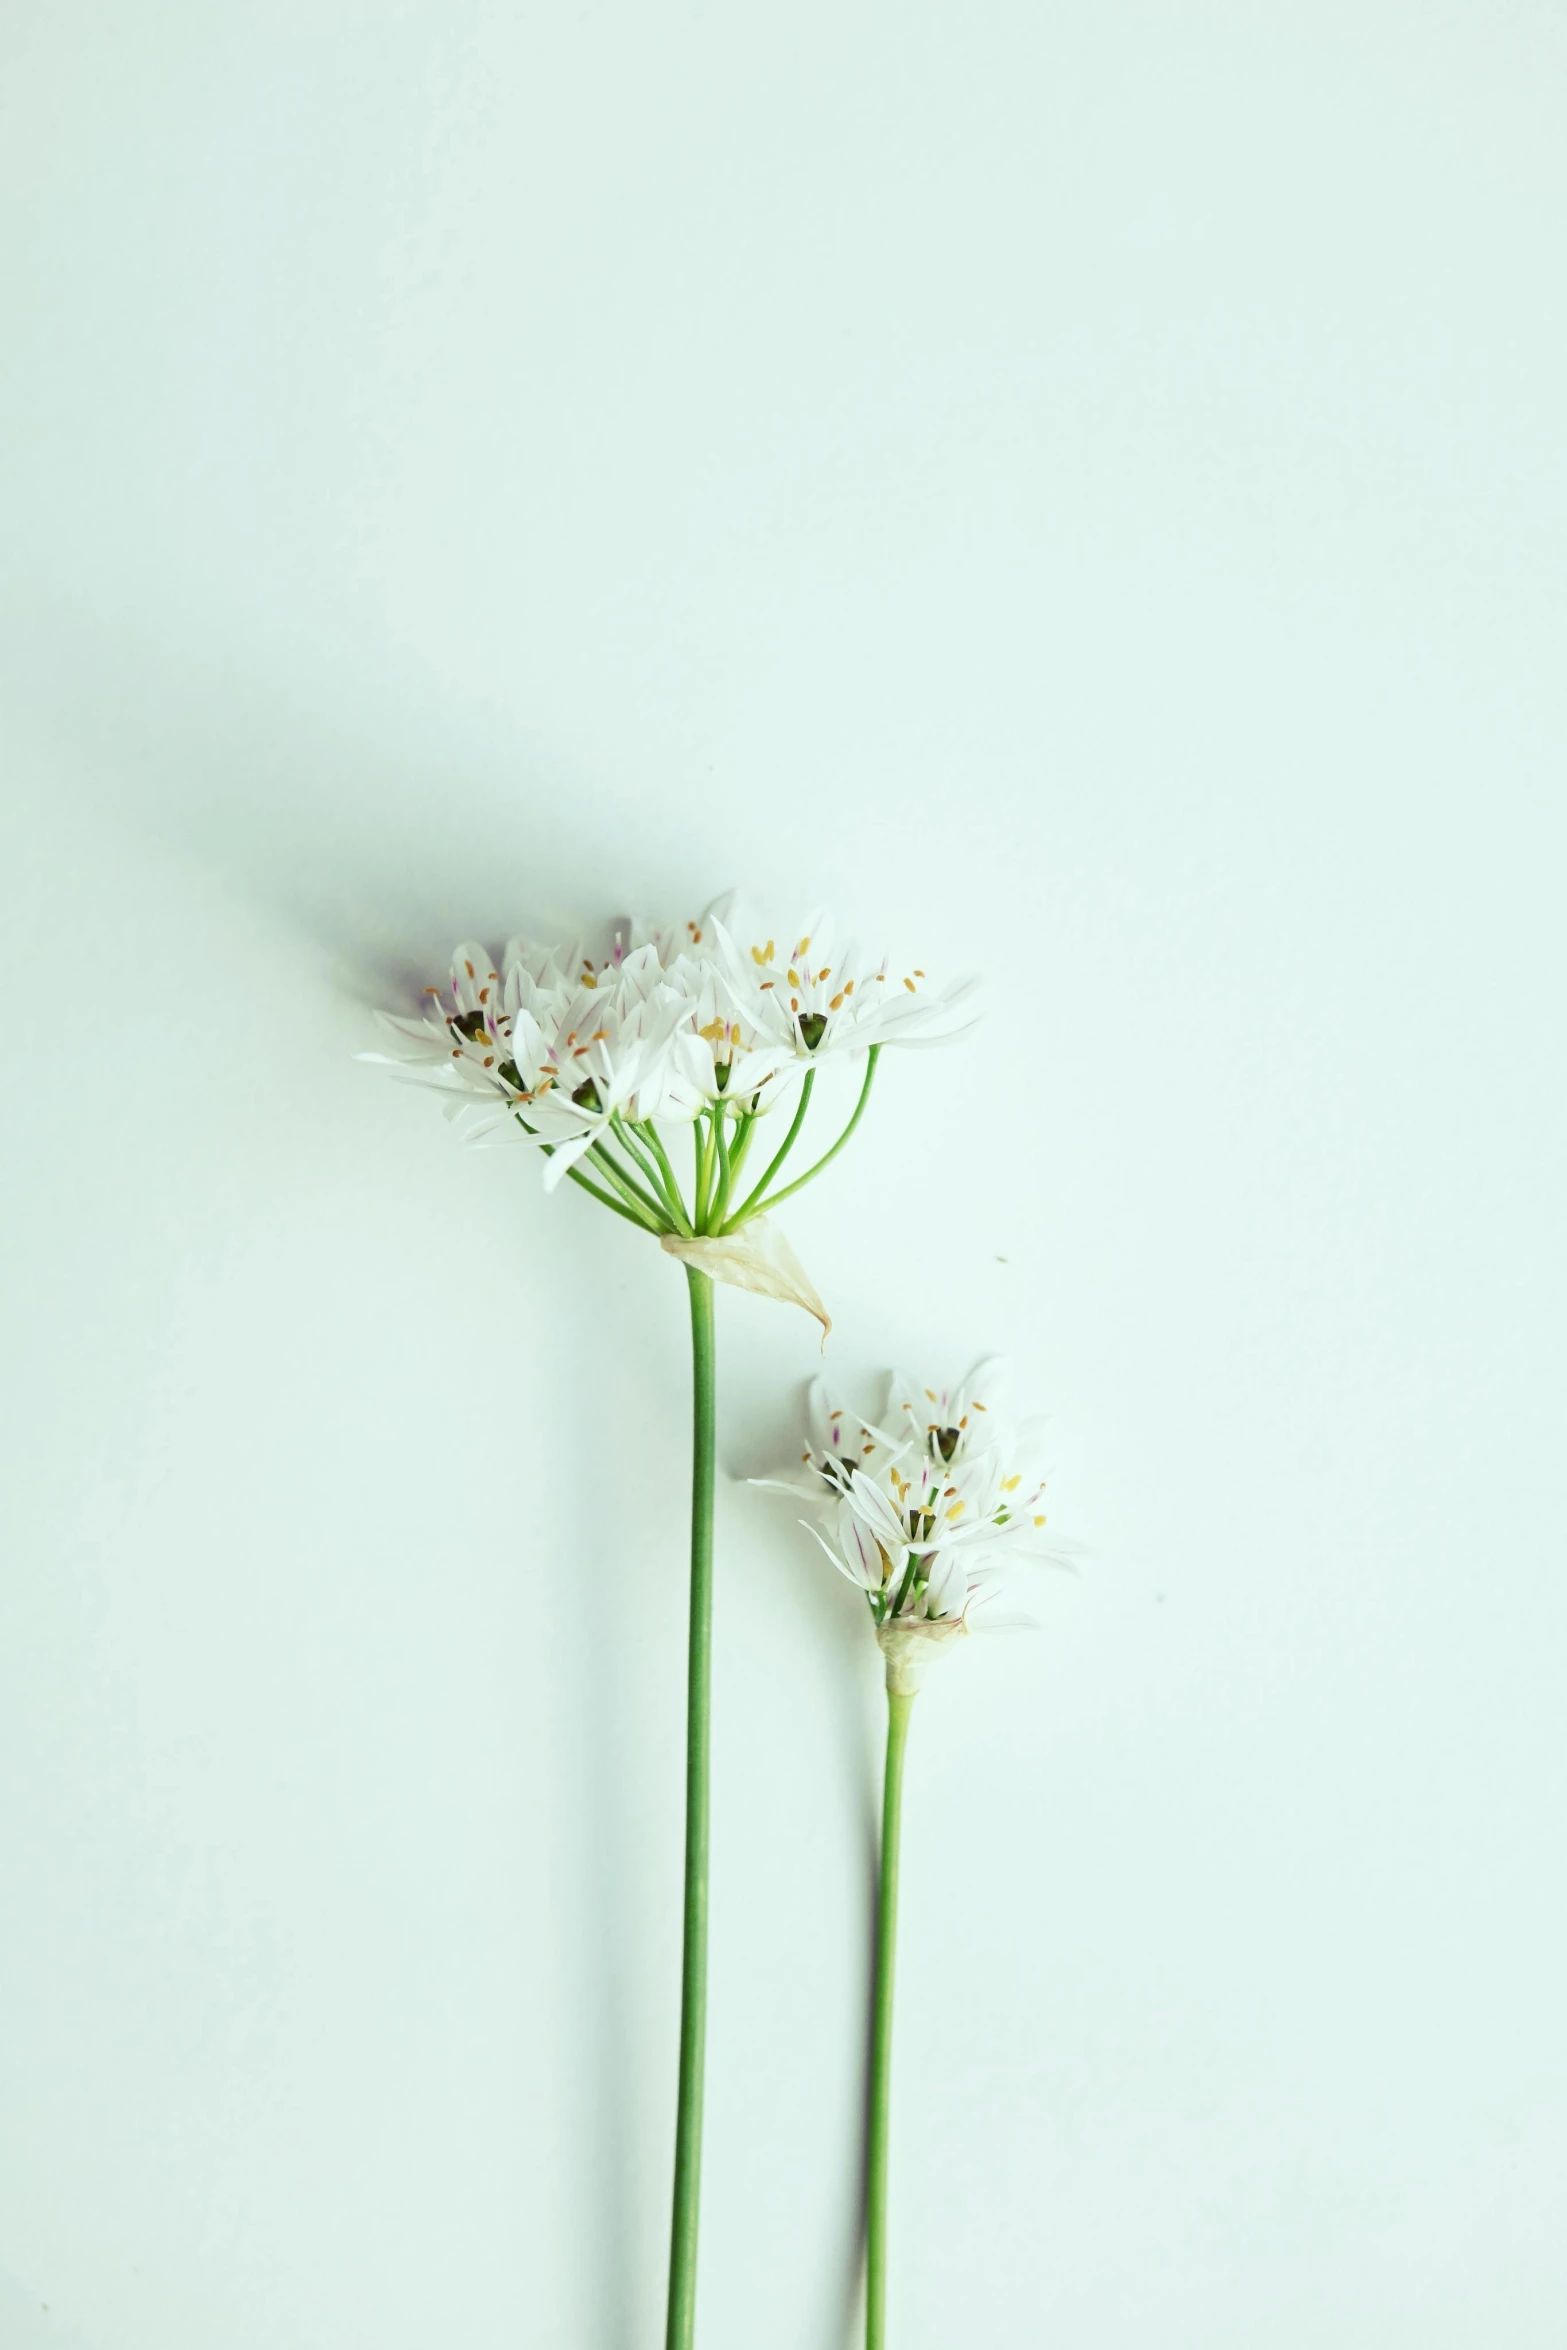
{"type": "Point", "coordinates": [930, 1509]}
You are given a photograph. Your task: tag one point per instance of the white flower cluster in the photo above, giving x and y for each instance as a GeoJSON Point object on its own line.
{"type": "Point", "coordinates": [927, 1507]}
{"type": "Point", "coordinates": [663, 1023]}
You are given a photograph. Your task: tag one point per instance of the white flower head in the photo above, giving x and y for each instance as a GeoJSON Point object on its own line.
{"type": "Point", "coordinates": [587, 1050]}
{"type": "Point", "coordinates": [927, 1512]}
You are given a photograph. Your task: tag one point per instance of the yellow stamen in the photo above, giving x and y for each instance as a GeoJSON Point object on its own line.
{"type": "Point", "coordinates": [837, 1002]}
{"type": "Point", "coordinates": [909, 984]}
{"type": "Point", "coordinates": [957, 1509]}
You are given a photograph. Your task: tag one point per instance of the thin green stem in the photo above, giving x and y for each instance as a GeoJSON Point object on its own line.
{"type": "Point", "coordinates": [747, 1206]}
{"type": "Point", "coordinates": [640, 1158]}
{"type": "Point", "coordinates": [607, 1199]}
{"type": "Point", "coordinates": [899, 1708]}
{"type": "Point", "coordinates": [628, 1186]}
{"type": "Point", "coordinates": [704, 1172]}
{"type": "Point", "coordinates": [745, 1134]}
{"type": "Point", "coordinates": [632, 1215]}
{"type": "Point", "coordinates": [677, 1199]}
{"type": "Point", "coordinates": [910, 1572]}
{"type": "Point", "coordinates": [725, 1172]}
{"type": "Point", "coordinates": [693, 1983]}
{"type": "Point", "coordinates": [827, 1157]}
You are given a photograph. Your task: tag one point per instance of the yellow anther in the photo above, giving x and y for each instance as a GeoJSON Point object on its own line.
{"type": "Point", "coordinates": [837, 1002]}
{"type": "Point", "coordinates": [957, 1509]}
{"type": "Point", "coordinates": [909, 984]}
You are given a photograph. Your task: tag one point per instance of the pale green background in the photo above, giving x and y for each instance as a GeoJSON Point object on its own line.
{"type": "Point", "coordinates": [1082, 488]}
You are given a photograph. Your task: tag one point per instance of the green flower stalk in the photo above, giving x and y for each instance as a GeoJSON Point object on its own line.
{"type": "Point", "coordinates": [593, 1060]}
{"type": "Point", "coordinates": [926, 1509]}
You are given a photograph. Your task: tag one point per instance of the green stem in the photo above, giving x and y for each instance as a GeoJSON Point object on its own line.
{"type": "Point", "coordinates": [640, 1159]}
{"type": "Point", "coordinates": [677, 1198]}
{"type": "Point", "coordinates": [827, 1157]}
{"type": "Point", "coordinates": [899, 1708]}
{"type": "Point", "coordinates": [725, 1175]}
{"type": "Point", "coordinates": [745, 1129]}
{"type": "Point", "coordinates": [704, 1172]}
{"type": "Point", "coordinates": [632, 1215]}
{"type": "Point", "coordinates": [785, 1147]}
{"type": "Point", "coordinates": [693, 1984]}
{"type": "Point", "coordinates": [627, 1185]}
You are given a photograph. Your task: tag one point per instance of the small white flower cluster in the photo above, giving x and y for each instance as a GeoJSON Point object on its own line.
{"type": "Point", "coordinates": [927, 1507]}
{"type": "Point", "coordinates": [663, 1024]}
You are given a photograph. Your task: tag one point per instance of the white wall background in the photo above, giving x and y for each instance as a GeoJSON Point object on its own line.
{"type": "Point", "coordinates": [1082, 490]}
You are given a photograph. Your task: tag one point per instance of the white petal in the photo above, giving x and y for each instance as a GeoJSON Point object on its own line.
{"type": "Point", "coordinates": [564, 1156]}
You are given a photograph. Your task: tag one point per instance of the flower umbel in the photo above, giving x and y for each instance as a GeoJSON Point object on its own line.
{"type": "Point", "coordinates": [928, 1506]}
{"type": "Point", "coordinates": [591, 1055]}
